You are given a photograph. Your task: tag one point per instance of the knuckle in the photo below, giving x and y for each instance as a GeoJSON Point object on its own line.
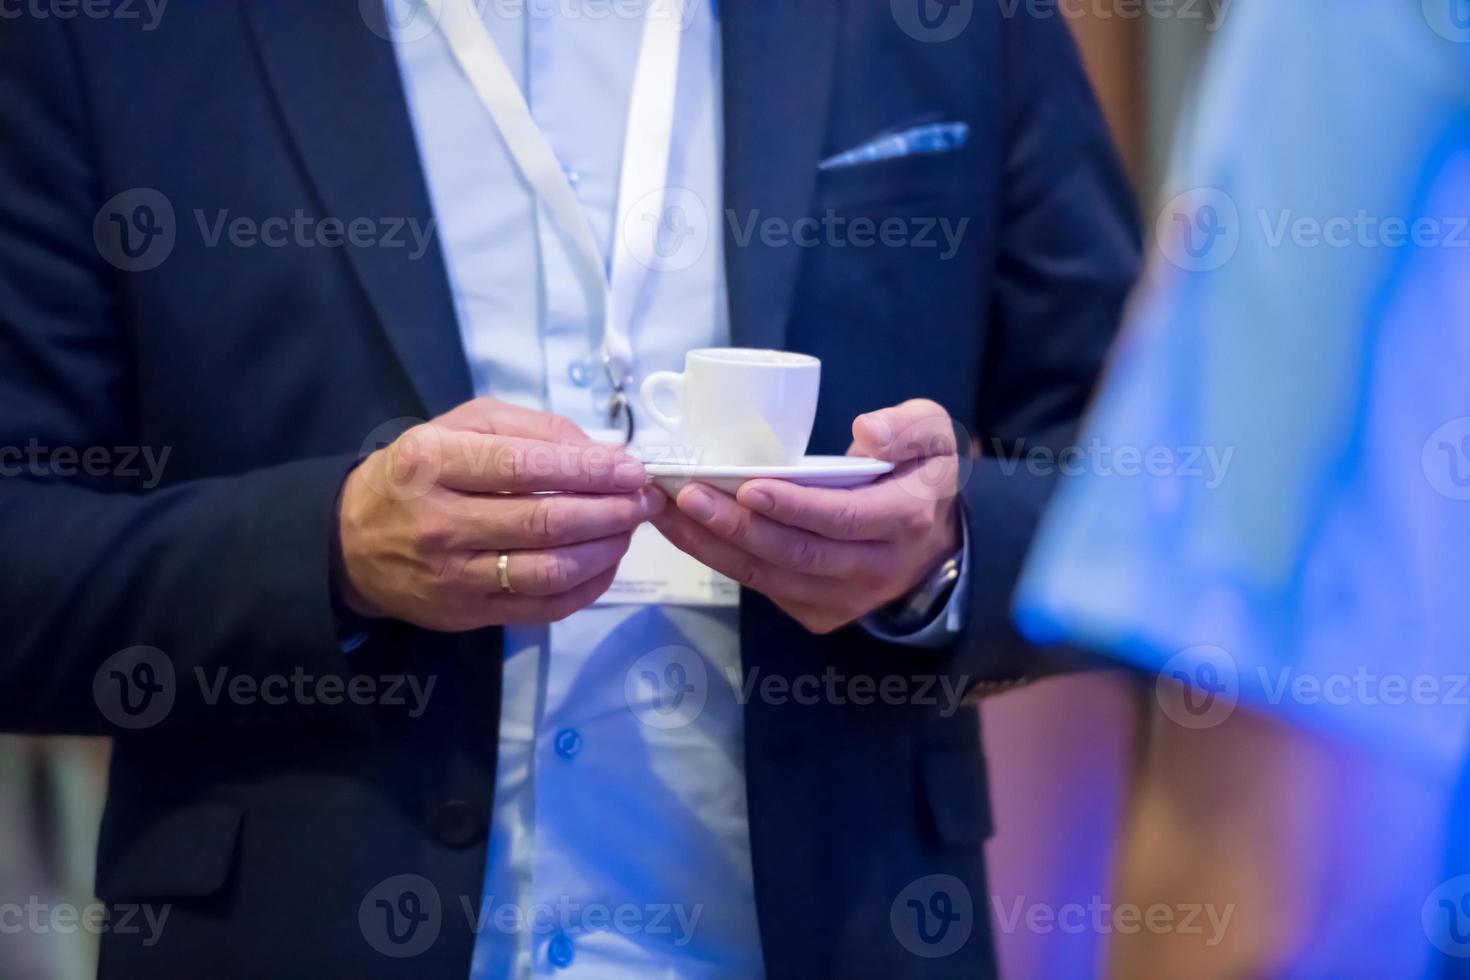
{"type": "Point", "coordinates": [918, 522]}
{"type": "Point", "coordinates": [566, 430]}
{"type": "Point", "coordinates": [867, 577]}
{"type": "Point", "coordinates": [820, 624]}
{"type": "Point", "coordinates": [749, 575]}
{"type": "Point", "coordinates": [428, 531]}
{"type": "Point", "coordinates": [542, 520]}
{"type": "Point", "coordinates": [446, 572]}
{"type": "Point", "coordinates": [550, 574]}
{"type": "Point", "coordinates": [510, 463]}
{"type": "Point", "coordinates": [849, 519]}
{"type": "Point", "coordinates": [926, 406]}
{"type": "Point", "coordinates": [803, 555]}
{"type": "Point", "coordinates": [735, 525]}
{"type": "Point", "coordinates": [417, 446]}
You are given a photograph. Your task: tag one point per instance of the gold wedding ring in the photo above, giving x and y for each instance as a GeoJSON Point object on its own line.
{"type": "Point", "coordinates": [502, 569]}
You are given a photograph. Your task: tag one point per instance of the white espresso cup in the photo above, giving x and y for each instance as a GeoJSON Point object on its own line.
{"type": "Point", "coordinates": [738, 407]}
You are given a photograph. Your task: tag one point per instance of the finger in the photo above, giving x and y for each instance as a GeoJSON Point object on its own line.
{"type": "Point", "coordinates": [491, 416]}
{"type": "Point", "coordinates": [518, 610]}
{"type": "Point", "coordinates": [747, 569]}
{"type": "Point", "coordinates": [880, 511]}
{"type": "Point", "coordinates": [476, 463]}
{"type": "Point", "coordinates": [482, 522]}
{"type": "Point", "coordinates": [548, 572]}
{"type": "Point", "coordinates": [913, 430]}
{"type": "Point", "coordinates": [789, 547]}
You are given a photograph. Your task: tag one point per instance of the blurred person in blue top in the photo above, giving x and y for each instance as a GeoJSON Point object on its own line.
{"type": "Point", "coordinates": [1272, 501]}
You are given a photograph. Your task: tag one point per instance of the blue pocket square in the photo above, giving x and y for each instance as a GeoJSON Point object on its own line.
{"type": "Point", "coordinates": [933, 138]}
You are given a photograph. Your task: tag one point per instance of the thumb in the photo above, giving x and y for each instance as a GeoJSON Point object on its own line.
{"type": "Point", "coordinates": [917, 429]}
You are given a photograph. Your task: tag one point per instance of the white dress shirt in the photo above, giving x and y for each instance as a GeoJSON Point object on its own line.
{"type": "Point", "coordinates": [619, 842]}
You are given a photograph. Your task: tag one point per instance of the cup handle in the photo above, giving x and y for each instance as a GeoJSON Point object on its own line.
{"type": "Point", "coordinates": [655, 384]}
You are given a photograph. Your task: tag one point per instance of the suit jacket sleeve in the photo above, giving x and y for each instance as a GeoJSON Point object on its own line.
{"type": "Point", "coordinates": [1068, 254]}
{"type": "Point", "coordinates": [224, 577]}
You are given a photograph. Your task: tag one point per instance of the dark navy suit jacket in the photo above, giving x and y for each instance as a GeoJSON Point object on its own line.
{"type": "Point", "coordinates": [263, 371]}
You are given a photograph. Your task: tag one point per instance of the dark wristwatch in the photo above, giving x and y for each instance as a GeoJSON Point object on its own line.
{"type": "Point", "coordinates": [917, 609]}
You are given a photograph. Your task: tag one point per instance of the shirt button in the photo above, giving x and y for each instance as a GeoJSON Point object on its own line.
{"type": "Point", "coordinates": [560, 951]}
{"type": "Point", "coordinates": [574, 177]}
{"type": "Point", "coordinates": [580, 373]}
{"type": "Point", "coordinates": [568, 743]}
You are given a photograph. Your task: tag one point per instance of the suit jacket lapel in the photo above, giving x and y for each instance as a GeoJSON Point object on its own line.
{"type": "Point", "coordinates": [778, 59]}
{"type": "Point", "coordinates": [335, 77]}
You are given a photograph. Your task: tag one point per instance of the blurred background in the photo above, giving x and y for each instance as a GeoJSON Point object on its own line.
{"type": "Point", "coordinates": [1128, 845]}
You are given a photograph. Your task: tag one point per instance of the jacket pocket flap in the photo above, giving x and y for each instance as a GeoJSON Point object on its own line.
{"type": "Point", "coordinates": [182, 852]}
{"type": "Point", "coordinates": [958, 798]}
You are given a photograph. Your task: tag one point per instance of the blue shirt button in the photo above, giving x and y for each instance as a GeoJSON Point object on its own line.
{"type": "Point", "coordinates": [559, 951]}
{"type": "Point", "coordinates": [568, 743]}
{"type": "Point", "coordinates": [574, 177]}
{"type": "Point", "coordinates": [580, 372]}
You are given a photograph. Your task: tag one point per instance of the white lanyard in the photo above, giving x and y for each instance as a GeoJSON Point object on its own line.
{"type": "Point", "coordinates": [641, 184]}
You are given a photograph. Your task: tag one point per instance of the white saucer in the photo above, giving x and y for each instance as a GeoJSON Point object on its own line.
{"type": "Point", "coordinates": [812, 471]}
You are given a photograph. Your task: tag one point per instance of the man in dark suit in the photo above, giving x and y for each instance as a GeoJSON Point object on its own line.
{"type": "Point", "coordinates": [297, 655]}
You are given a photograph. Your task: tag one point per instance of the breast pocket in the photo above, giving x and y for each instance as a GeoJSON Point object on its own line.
{"type": "Point", "coordinates": [897, 185]}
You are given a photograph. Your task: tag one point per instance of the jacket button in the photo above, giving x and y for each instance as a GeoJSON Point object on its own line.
{"type": "Point", "coordinates": [457, 823]}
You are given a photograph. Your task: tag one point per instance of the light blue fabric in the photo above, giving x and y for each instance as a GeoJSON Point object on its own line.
{"type": "Point", "coordinates": [931, 138]}
{"type": "Point", "coordinates": [612, 798]}
{"type": "Point", "coordinates": [1306, 319]}
{"type": "Point", "coordinates": [1320, 572]}
{"type": "Point", "coordinates": [619, 843]}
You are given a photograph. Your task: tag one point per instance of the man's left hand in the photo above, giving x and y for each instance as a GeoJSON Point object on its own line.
{"type": "Point", "coordinates": [830, 556]}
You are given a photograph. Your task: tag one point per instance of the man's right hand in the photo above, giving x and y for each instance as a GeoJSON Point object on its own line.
{"type": "Point", "coordinates": [424, 520]}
